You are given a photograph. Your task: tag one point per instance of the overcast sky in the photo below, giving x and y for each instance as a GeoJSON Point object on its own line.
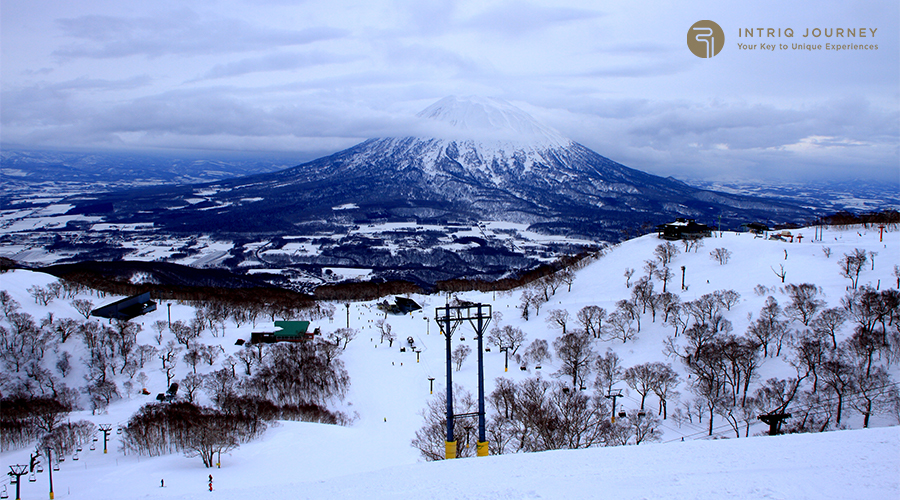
{"type": "Point", "coordinates": [312, 77]}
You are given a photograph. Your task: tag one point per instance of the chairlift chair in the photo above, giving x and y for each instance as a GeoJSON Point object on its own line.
{"type": "Point", "coordinates": [32, 478]}
{"type": "Point", "coordinates": [40, 468]}
{"type": "Point", "coordinates": [56, 466]}
{"type": "Point", "coordinates": [642, 414]}
{"type": "Point", "coordinates": [622, 414]}
{"type": "Point", "coordinates": [75, 457]}
{"type": "Point", "coordinates": [13, 479]}
{"type": "Point", "coordinates": [93, 447]}
{"type": "Point", "coordinates": [61, 458]}
{"type": "Point", "coordinates": [78, 448]}
{"type": "Point", "coordinates": [96, 438]}
{"type": "Point", "coordinates": [3, 493]}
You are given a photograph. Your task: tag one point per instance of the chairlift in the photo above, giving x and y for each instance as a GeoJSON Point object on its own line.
{"type": "Point", "coordinates": [93, 447]}
{"type": "Point", "coordinates": [119, 430]}
{"type": "Point", "coordinates": [642, 414]}
{"type": "Point", "coordinates": [40, 468]}
{"type": "Point", "coordinates": [622, 414]}
{"type": "Point", "coordinates": [61, 458]}
{"type": "Point", "coordinates": [56, 466]}
{"type": "Point", "coordinates": [13, 479]}
{"type": "Point", "coordinates": [96, 438]}
{"type": "Point", "coordinates": [3, 493]}
{"type": "Point", "coordinates": [78, 448]}
{"type": "Point", "coordinates": [32, 478]}
{"type": "Point", "coordinates": [75, 457]}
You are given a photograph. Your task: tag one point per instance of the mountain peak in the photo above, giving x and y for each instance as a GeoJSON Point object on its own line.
{"type": "Point", "coordinates": [487, 118]}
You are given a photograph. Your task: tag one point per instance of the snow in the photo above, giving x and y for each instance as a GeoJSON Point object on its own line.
{"type": "Point", "coordinates": [372, 458]}
{"type": "Point", "coordinates": [472, 117]}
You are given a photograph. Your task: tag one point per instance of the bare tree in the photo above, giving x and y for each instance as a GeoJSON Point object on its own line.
{"type": "Point", "coordinates": [642, 294]}
{"type": "Point", "coordinates": [169, 357]}
{"type": "Point", "coordinates": [664, 388]}
{"type": "Point", "coordinates": [84, 307]}
{"type": "Point", "coordinates": [575, 352]}
{"type": "Point", "coordinates": [641, 378]}
{"type": "Point", "coordinates": [781, 273]}
{"type": "Point", "coordinates": [190, 384]}
{"type": "Point", "coordinates": [385, 330]}
{"type": "Point", "coordinates": [852, 264]}
{"type": "Point", "coordinates": [193, 355]}
{"type": "Point", "coordinates": [837, 374]}
{"type": "Point", "coordinates": [721, 255]}
{"type": "Point", "coordinates": [619, 326]}
{"type": "Point", "coordinates": [65, 327]}
{"type": "Point", "coordinates": [768, 327]}
{"type": "Point", "coordinates": [537, 352]}
{"type": "Point", "coordinates": [459, 355]}
{"type": "Point", "coordinates": [41, 295]}
{"type": "Point", "coordinates": [430, 439]}
{"type": "Point", "coordinates": [827, 252]}
{"type": "Point", "coordinates": [591, 319]}
{"type": "Point", "coordinates": [804, 303]}
{"type": "Point", "coordinates": [664, 274]}
{"type": "Point", "coordinates": [872, 392]}
{"type": "Point", "coordinates": [631, 310]}
{"type": "Point", "coordinates": [567, 277]}
{"type": "Point", "coordinates": [343, 336]}
{"type": "Point", "coordinates": [609, 371]}
{"type": "Point", "coordinates": [628, 274]}
{"type": "Point", "coordinates": [665, 252]}
{"type": "Point", "coordinates": [185, 333]}
{"type": "Point", "coordinates": [558, 318]}
{"type": "Point", "coordinates": [507, 337]}
{"type": "Point", "coordinates": [8, 304]}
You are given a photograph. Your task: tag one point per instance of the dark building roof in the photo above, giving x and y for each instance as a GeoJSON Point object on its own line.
{"type": "Point", "coordinates": [401, 305]}
{"type": "Point", "coordinates": [126, 309]}
{"type": "Point", "coordinates": [682, 229]}
{"type": "Point", "coordinates": [755, 227]}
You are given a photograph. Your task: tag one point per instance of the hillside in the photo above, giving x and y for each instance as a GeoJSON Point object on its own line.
{"type": "Point", "coordinates": [373, 457]}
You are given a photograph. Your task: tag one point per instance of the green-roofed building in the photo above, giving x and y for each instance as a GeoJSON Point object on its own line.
{"type": "Point", "coordinates": [289, 331]}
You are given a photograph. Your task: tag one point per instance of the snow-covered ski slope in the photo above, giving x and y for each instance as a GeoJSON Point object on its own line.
{"type": "Point", "coordinates": [373, 458]}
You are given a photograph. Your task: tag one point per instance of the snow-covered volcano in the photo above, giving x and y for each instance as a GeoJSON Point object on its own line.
{"type": "Point", "coordinates": [478, 160]}
{"type": "Point", "coordinates": [486, 160]}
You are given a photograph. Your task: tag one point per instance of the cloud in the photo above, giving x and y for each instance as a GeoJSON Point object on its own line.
{"type": "Point", "coordinates": [181, 32]}
{"type": "Point", "coordinates": [717, 139]}
{"type": "Point", "coordinates": [275, 62]}
{"type": "Point", "coordinates": [518, 18]}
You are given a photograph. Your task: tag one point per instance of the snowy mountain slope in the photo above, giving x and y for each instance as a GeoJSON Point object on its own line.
{"type": "Point", "coordinates": [389, 388]}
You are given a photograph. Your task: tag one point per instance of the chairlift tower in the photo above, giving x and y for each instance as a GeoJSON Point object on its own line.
{"type": "Point", "coordinates": [774, 421]}
{"type": "Point", "coordinates": [105, 429]}
{"type": "Point", "coordinates": [18, 471]}
{"type": "Point", "coordinates": [613, 394]}
{"type": "Point", "coordinates": [448, 319]}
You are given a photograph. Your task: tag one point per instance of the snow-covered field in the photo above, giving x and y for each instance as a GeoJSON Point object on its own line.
{"type": "Point", "coordinates": [373, 458]}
